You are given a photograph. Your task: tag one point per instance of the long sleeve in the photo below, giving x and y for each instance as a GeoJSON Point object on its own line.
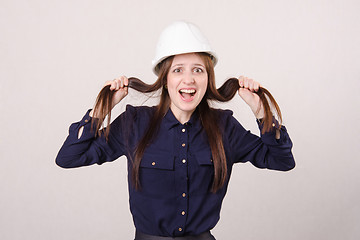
{"type": "Point", "coordinates": [263, 152]}
{"type": "Point", "coordinates": [88, 149]}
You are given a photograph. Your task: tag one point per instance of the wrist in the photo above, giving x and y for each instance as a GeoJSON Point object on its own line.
{"type": "Point", "coordinates": [259, 113]}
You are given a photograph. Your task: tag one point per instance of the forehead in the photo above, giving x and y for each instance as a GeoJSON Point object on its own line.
{"type": "Point", "coordinates": [187, 59]}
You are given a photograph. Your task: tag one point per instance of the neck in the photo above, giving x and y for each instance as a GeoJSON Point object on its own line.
{"type": "Point", "coordinates": [181, 116]}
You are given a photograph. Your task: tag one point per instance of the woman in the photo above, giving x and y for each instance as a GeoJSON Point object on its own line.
{"type": "Point", "coordinates": [181, 152]}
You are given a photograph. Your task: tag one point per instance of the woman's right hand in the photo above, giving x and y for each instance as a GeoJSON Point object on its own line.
{"type": "Point", "coordinates": [120, 86]}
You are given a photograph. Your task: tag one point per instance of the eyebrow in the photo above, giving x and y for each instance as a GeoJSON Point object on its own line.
{"type": "Point", "coordinates": [181, 64]}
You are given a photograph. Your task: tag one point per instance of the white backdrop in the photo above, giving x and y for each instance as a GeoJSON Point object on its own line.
{"type": "Point", "coordinates": [55, 56]}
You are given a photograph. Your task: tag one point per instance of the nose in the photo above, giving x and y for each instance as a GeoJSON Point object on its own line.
{"type": "Point", "coordinates": [189, 78]}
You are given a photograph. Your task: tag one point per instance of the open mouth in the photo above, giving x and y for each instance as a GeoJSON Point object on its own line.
{"type": "Point", "coordinates": [187, 94]}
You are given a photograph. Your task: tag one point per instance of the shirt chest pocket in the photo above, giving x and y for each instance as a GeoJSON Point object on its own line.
{"type": "Point", "coordinates": [157, 175]}
{"type": "Point", "coordinates": [204, 157]}
{"type": "Point", "coordinates": [202, 171]}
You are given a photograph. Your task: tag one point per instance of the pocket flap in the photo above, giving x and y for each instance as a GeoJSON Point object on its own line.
{"type": "Point", "coordinates": [158, 161]}
{"type": "Point", "coordinates": [204, 157]}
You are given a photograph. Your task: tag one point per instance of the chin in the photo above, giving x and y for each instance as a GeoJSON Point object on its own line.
{"type": "Point", "coordinates": [187, 107]}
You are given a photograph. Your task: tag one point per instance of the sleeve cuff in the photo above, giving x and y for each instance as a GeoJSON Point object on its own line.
{"type": "Point", "coordinates": [269, 137]}
{"type": "Point", "coordinates": [88, 131]}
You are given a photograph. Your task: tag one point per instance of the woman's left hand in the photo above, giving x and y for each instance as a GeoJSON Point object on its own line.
{"type": "Point", "coordinates": [247, 90]}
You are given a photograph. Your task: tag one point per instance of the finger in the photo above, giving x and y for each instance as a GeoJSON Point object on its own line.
{"type": "Point", "coordinates": [246, 82]}
{"type": "Point", "coordinates": [126, 81]}
{"type": "Point", "coordinates": [121, 82]}
{"type": "Point", "coordinates": [256, 86]}
{"type": "Point", "coordinates": [251, 84]}
{"type": "Point", "coordinates": [118, 83]}
{"type": "Point", "coordinates": [241, 81]}
{"type": "Point", "coordinates": [115, 84]}
{"type": "Point", "coordinates": [107, 83]}
{"type": "Point", "coordinates": [112, 85]}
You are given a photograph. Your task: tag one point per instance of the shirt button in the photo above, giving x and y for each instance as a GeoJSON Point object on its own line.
{"type": "Point", "coordinates": [86, 120]}
{"type": "Point", "coordinates": [184, 194]}
{"type": "Point", "coordinates": [183, 130]}
{"type": "Point", "coordinates": [183, 161]}
{"type": "Point", "coordinates": [273, 124]}
{"type": "Point", "coordinates": [180, 229]}
{"type": "Point", "coordinates": [183, 145]}
{"type": "Point", "coordinates": [153, 163]}
{"type": "Point", "coordinates": [183, 213]}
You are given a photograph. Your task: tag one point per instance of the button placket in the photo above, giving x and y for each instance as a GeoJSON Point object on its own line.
{"type": "Point", "coordinates": [182, 163]}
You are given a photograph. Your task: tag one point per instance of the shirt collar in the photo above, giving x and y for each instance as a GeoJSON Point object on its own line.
{"type": "Point", "coordinates": [170, 120]}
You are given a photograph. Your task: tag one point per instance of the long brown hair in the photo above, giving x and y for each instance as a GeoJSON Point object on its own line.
{"type": "Point", "coordinates": [208, 116]}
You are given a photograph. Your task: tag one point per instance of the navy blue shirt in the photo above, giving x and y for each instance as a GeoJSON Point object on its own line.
{"type": "Point", "coordinates": [176, 171]}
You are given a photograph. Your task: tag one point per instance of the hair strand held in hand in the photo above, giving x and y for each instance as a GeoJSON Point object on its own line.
{"type": "Point", "coordinates": [231, 86]}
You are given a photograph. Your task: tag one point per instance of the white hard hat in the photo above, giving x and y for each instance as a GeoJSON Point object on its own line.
{"type": "Point", "coordinates": [178, 38]}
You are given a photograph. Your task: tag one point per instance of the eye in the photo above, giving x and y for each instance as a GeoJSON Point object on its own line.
{"type": "Point", "coordinates": [198, 70]}
{"type": "Point", "coordinates": [177, 70]}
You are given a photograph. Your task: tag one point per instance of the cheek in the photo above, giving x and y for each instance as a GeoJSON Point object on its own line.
{"type": "Point", "coordinates": [170, 82]}
{"type": "Point", "coordinates": [171, 87]}
{"type": "Point", "coordinates": [203, 84]}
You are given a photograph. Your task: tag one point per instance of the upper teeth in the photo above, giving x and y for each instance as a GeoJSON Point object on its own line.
{"type": "Point", "coordinates": [187, 90]}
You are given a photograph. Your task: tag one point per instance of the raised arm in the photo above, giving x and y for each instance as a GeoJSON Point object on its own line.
{"type": "Point", "coordinates": [84, 146]}
{"type": "Point", "coordinates": [272, 149]}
